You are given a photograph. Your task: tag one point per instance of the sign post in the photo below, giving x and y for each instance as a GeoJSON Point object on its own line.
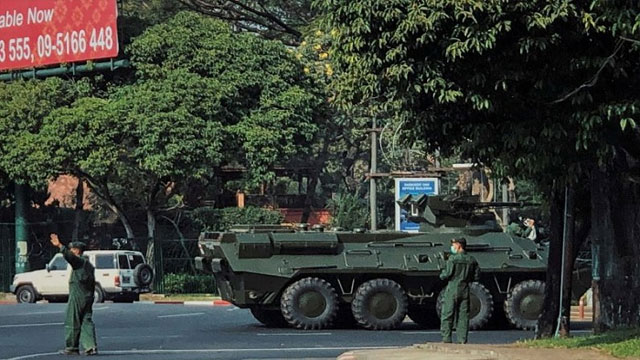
{"type": "Point", "coordinates": [412, 186]}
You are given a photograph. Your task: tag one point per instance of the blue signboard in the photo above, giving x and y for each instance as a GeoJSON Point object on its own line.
{"type": "Point", "coordinates": [412, 186]}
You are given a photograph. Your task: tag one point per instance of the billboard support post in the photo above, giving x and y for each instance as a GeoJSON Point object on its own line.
{"type": "Point", "coordinates": [372, 179]}
{"type": "Point", "coordinates": [22, 264]}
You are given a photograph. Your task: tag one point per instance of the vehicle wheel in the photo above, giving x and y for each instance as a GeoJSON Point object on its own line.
{"type": "Point", "coordinates": [26, 294]}
{"type": "Point", "coordinates": [524, 304]}
{"type": "Point", "coordinates": [424, 316]}
{"type": "Point", "coordinates": [310, 303]}
{"type": "Point", "coordinates": [98, 295]}
{"type": "Point", "coordinates": [379, 304]}
{"type": "Point", "coordinates": [269, 317]}
{"type": "Point", "coordinates": [480, 305]}
{"type": "Point", "coordinates": [143, 275]}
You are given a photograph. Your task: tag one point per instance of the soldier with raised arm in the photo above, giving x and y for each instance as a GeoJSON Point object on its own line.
{"type": "Point", "coordinates": [78, 325]}
{"type": "Point", "coordinates": [460, 271]}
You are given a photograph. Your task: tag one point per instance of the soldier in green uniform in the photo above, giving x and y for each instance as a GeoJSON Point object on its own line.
{"type": "Point", "coordinates": [460, 271]}
{"type": "Point", "coordinates": [78, 326]}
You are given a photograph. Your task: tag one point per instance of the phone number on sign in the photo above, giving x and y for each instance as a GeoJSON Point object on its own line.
{"type": "Point", "coordinates": [60, 44]}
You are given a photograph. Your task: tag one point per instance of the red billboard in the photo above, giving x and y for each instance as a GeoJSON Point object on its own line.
{"type": "Point", "coordinates": [43, 32]}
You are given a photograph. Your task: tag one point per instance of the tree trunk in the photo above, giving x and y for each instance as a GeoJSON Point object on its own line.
{"type": "Point", "coordinates": [101, 189]}
{"type": "Point", "coordinates": [616, 249]}
{"type": "Point", "coordinates": [309, 198]}
{"type": "Point", "coordinates": [123, 219]}
{"type": "Point", "coordinates": [151, 235]}
{"type": "Point", "coordinates": [78, 210]}
{"type": "Point", "coordinates": [565, 325]}
{"type": "Point", "coordinates": [547, 320]}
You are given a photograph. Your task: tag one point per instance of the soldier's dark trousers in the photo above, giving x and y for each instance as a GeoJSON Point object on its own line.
{"type": "Point", "coordinates": [78, 327]}
{"type": "Point", "coordinates": [455, 307]}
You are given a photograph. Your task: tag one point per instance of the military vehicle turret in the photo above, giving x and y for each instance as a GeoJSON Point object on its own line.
{"type": "Point", "coordinates": [320, 279]}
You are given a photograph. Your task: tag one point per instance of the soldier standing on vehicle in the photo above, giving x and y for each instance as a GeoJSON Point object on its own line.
{"type": "Point", "coordinates": [460, 271]}
{"type": "Point", "coordinates": [78, 326]}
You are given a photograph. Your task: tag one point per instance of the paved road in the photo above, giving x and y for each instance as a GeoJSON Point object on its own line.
{"type": "Point", "coordinates": [159, 332]}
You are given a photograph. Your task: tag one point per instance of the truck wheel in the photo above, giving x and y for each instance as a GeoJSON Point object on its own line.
{"type": "Point", "coordinates": [143, 275]}
{"type": "Point", "coordinates": [480, 305]}
{"type": "Point", "coordinates": [270, 318]}
{"type": "Point", "coordinates": [425, 316]}
{"type": "Point", "coordinates": [524, 304]}
{"type": "Point", "coordinates": [310, 303]}
{"type": "Point", "coordinates": [26, 294]}
{"type": "Point", "coordinates": [98, 295]}
{"type": "Point", "coordinates": [379, 304]}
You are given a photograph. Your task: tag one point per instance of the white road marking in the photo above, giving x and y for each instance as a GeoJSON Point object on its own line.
{"type": "Point", "coordinates": [29, 325]}
{"type": "Point", "coordinates": [180, 315]}
{"type": "Point", "coordinates": [295, 334]}
{"type": "Point", "coordinates": [143, 336]}
{"type": "Point", "coordinates": [35, 313]}
{"type": "Point", "coordinates": [434, 332]}
{"type": "Point", "coordinates": [204, 351]}
{"type": "Point", "coordinates": [48, 312]}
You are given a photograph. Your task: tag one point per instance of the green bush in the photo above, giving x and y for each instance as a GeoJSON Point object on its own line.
{"type": "Point", "coordinates": [213, 219]}
{"type": "Point", "coordinates": [189, 284]}
{"type": "Point", "coordinates": [348, 211]}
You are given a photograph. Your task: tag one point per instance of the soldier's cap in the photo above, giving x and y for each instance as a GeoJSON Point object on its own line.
{"type": "Point", "coordinates": [78, 245]}
{"type": "Point", "coordinates": [462, 241]}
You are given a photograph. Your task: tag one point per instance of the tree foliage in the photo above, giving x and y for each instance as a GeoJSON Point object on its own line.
{"type": "Point", "coordinates": [201, 96]}
{"type": "Point", "coordinates": [537, 89]}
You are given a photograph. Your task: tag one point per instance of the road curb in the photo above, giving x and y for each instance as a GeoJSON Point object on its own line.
{"type": "Point", "coordinates": [425, 351]}
{"type": "Point", "coordinates": [193, 303]}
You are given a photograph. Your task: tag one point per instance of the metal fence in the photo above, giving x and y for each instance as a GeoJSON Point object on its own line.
{"type": "Point", "coordinates": [7, 261]}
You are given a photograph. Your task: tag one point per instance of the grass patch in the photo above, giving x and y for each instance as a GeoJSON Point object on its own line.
{"type": "Point", "coordinates": [619, 343]}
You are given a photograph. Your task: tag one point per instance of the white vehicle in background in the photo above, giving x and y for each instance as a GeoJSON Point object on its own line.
{"type": "Point", "coordinates": [121, 276]}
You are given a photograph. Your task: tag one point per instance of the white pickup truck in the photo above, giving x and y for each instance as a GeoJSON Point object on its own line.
{"type": "Point", "coordinates": [121, 276]}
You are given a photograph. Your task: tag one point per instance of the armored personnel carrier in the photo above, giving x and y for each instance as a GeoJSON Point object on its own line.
{"type": "Point", "coordinates": [320, 279]}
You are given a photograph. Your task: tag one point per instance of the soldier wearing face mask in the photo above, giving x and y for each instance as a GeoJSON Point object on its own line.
{"type": "Point", "coordinates": [460, 271]}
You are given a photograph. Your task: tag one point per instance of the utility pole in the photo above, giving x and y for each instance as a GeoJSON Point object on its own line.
{"type": "Point", "coordinates": [21, 228]}
{"type": "Point", "coordinates": [505, 211]}
{"type": "Point", "coordinates": [373, 169]}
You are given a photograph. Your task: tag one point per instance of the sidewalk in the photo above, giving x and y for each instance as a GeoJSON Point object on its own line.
{"type": "Point", "coordinates": [473, 352]}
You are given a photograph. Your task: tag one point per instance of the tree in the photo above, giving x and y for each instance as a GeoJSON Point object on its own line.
{"type": "Point", "coordinates": [202, 96]}
{"type": "Point", "coordinates": [283, 20]}
{"type": "Point", "coordinates": [538, 89]}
